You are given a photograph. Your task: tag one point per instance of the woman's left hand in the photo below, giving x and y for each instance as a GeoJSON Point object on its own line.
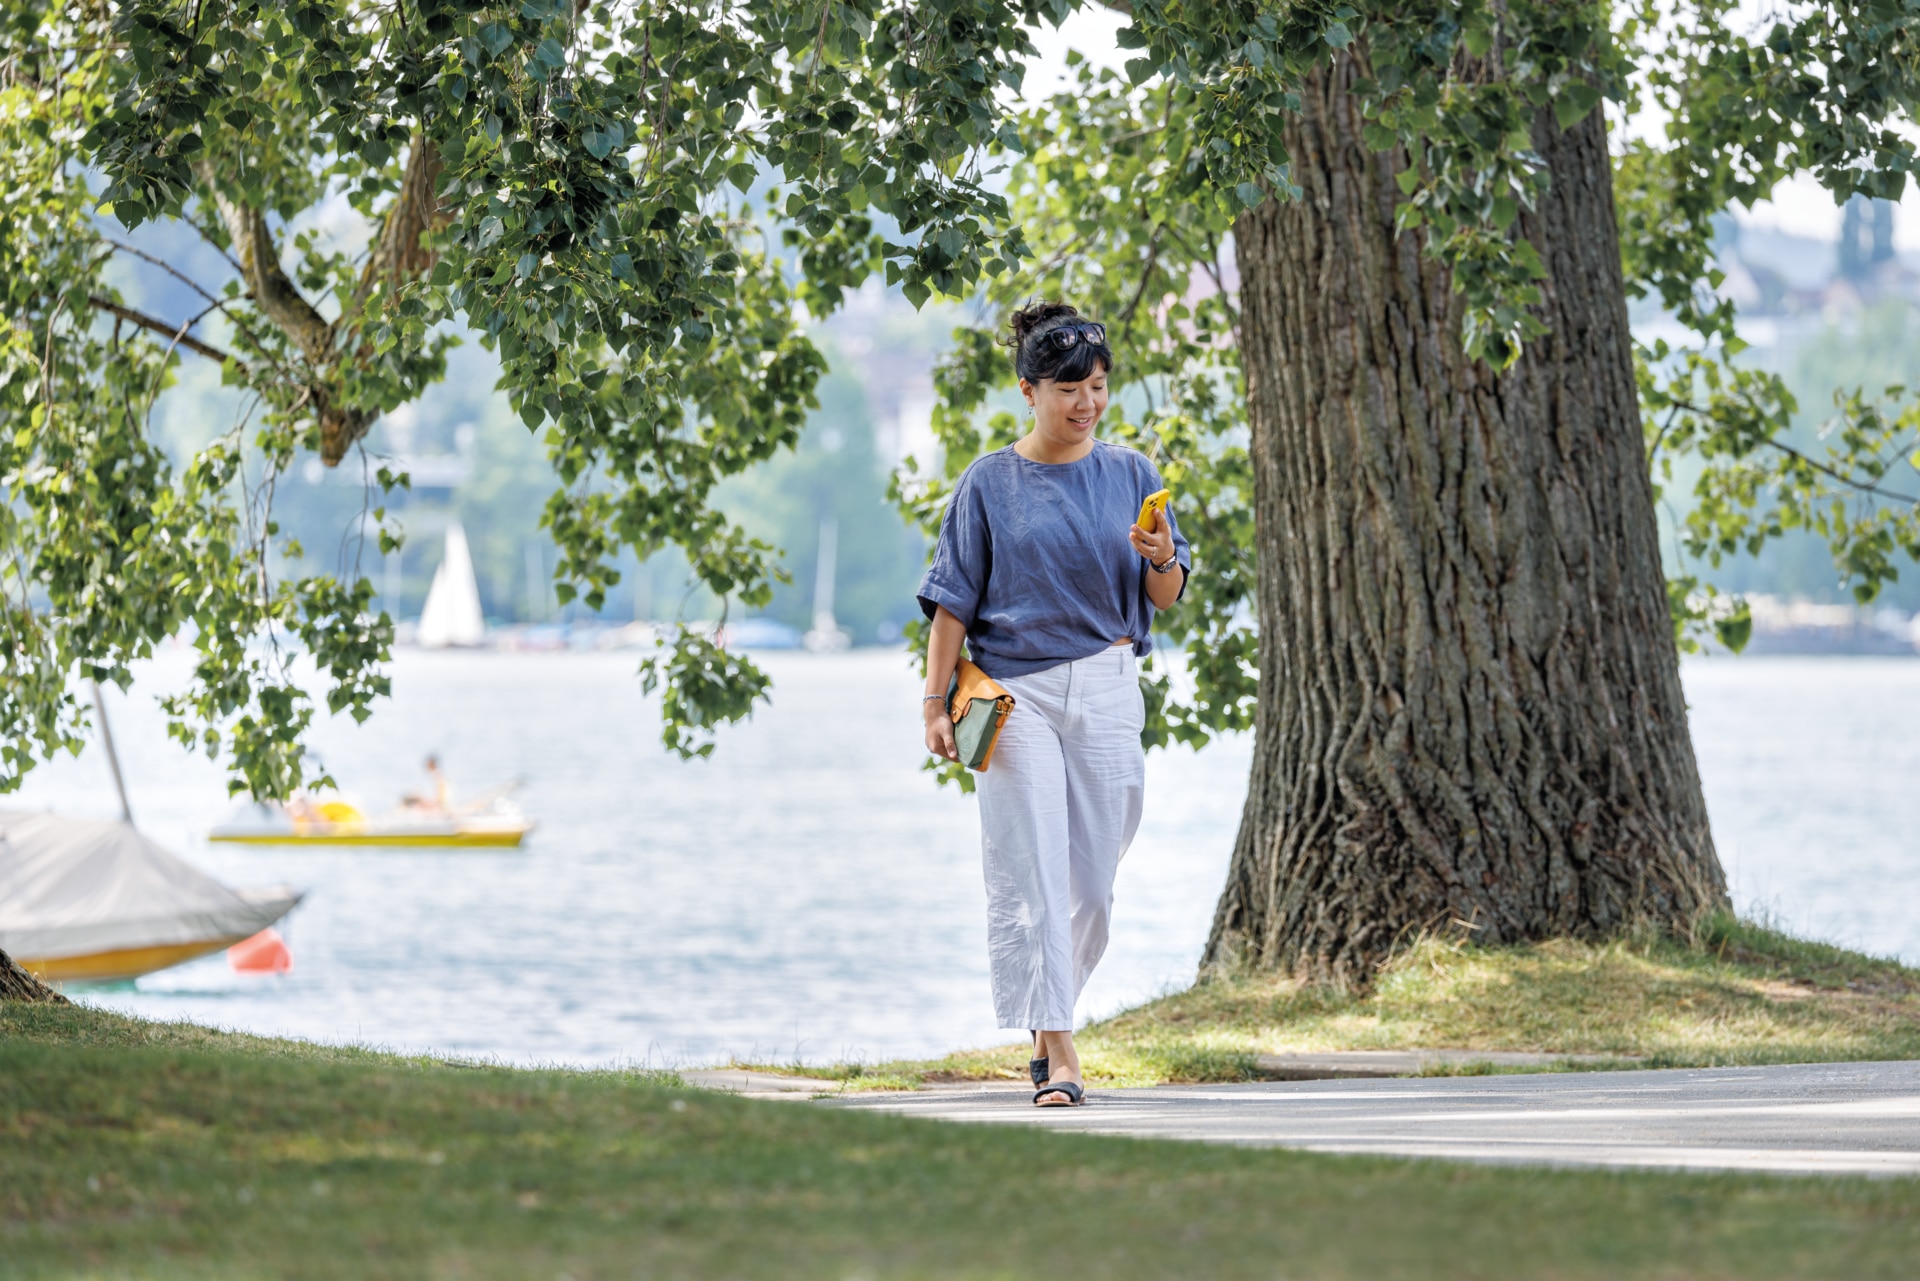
{"type": "Point", "coordinates": [1155, 544]}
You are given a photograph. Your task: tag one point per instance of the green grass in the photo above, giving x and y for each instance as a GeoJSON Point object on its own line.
{"type": "Point", "coordinates": [130, 1149]}
{"type": "Point", "coordinates": [1737, 993]}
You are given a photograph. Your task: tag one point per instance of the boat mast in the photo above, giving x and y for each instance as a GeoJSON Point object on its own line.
{"type": "Point", "coordinates": [113, 757]}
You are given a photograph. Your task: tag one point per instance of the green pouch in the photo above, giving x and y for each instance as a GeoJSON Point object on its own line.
{"type": "Point", "coordinates": [979, 707]}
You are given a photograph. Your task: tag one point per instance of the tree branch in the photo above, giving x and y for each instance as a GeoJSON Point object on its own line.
{"type": "Point", "coordinates": [1210, 264]}
{"type": "Point", "coordinates": [1653, 450]}
{"type": "Point", "coordinates": [163, 265]}
{"type": "Point", "coordinates": [1146, 274]}
{"type": "Point", "coordinates": [218, 303]}
{"type": "Point", "coordinates": [282, 303]}
{"type": "Point", "coordinates": [214, 245]}
{"type": "Point", "coordinates": [1862, 486]}
{"type": "Point", "coordinates": [276, 296]}
{"type": "Point", "coordinates": [398, 253]}
{"type": "Point", "coordinates": [177, 333]}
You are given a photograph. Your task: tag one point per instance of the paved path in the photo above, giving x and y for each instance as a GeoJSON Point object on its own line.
{"type": "Point", "coordinates": [1327, 1065]}
{"type": "Point", "coordinates": [1835, 1118]}
{"type": "Point", "coordinates": [759, 1085]}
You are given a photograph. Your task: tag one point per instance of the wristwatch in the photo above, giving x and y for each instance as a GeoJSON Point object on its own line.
{"type": "Point", "coordinates": [1166, 568]}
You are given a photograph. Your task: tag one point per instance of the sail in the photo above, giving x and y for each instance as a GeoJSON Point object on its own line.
{"type": "Point", "coordinates": [827, 634]}
{"type": "Point", "coordinates": [452, 613]}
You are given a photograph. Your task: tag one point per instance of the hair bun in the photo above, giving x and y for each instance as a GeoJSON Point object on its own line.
{"type": "Point", "coordinates": [1037, 362]}
{"type": "Point", "coordinates": [1033, 316]}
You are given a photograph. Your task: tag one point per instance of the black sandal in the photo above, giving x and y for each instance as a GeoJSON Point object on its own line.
{"type": "Point", "coordinates": [1037, 1068]}
{"type": "Point", "coordinates": [1069, 1088]}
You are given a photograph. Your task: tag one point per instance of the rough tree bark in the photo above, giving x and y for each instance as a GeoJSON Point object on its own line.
{"type": "Point", "coordinates": [1470, 707]}
{"type": "Point", "coordinates": [17, 984]}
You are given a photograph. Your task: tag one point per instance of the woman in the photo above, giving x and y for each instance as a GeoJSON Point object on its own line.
{"type": "Point", "coordinates": [1042, 571]}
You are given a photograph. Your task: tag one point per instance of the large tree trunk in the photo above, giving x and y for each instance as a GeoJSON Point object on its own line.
{"type": "Point", "coordinates": [1470, 706]}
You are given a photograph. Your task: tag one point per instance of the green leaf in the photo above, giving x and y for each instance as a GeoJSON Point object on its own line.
{"type": "Point", "coordinates": [1736, 629]}
{"type": "Point", "coordinates": [340, 85]}
{"type": "Point", "coordinates": [548, 58]}
{"type": "Point", "coordinates": [1573, 103]}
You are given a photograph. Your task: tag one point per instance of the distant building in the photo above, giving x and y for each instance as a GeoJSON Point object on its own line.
{"type": "Point", "coordinates": [1866, 237]}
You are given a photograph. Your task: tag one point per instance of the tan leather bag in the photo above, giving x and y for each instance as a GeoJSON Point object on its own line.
{"type": "Point", "coordinates": [979, 706]}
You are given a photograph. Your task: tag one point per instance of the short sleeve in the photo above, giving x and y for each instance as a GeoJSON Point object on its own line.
{"type": "Point", "coordinates": [963, 556]}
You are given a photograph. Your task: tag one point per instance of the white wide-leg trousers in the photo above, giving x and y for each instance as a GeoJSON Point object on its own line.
{"type": "Point", "coordinates": [1059, 804]}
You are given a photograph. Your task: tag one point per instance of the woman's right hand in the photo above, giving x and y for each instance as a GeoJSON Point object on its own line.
{"type": "Point", "coordinates": [944, 639]}
{"type": "Point", "coordinates": [940, 732]}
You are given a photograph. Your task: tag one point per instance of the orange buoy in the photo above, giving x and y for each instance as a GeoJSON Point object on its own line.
{"type": "Point", "coordinates": [264, 953]}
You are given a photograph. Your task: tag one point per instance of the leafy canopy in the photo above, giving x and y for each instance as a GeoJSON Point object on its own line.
{"type": "Point", "coordinates": [569, 182]}
{"type": "Point", "coordinates": [565, 180]}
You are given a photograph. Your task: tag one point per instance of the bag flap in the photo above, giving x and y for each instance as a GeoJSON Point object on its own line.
{"type": "Point", "coordinates": [972, 683]}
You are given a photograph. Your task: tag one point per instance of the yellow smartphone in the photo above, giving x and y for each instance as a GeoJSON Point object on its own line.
{"type": "Point", "coordinates": [1155, 503]}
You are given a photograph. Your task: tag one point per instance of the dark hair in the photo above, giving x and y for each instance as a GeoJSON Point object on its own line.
{"type": "Point", "coordinates": [1036, 360]}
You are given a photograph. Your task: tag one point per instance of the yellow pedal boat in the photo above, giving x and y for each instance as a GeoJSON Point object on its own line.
{"type": "Point", "coordinates": [337, 823]}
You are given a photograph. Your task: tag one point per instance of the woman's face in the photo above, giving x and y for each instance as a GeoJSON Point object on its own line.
{"type": "Point", "coordinates": [1065, 413]}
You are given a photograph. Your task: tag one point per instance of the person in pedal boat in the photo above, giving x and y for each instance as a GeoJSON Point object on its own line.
{"type": "Point", "coordinates": [1049, 575]}
{"type": "Point", "coordinates": [439, 800]}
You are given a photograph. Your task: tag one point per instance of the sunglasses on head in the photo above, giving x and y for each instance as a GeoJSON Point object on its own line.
{"type": "Point", "coordinates": [1067, 337]}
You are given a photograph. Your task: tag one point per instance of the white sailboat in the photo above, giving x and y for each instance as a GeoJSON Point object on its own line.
{"type": "Point", "coordinates": [90, 899]}
{"type": "Point", "coordinates": [87, 899]}
{"type": "Point", "coordinates": [451, 616]}
{"type": "Point", "coordinates": [826, 636]}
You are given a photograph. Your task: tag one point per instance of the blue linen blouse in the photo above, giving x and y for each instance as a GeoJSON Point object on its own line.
{"type": "Point", "coordinates": [1034, 558]}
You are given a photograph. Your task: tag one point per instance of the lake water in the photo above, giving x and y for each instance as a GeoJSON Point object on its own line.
{"type": "Point", "coordinates": [808, 893]}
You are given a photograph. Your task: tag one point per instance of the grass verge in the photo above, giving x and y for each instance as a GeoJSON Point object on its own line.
{"type": "Point", "coordinates": [130, 1149]}
{"type": "Point", "coordinates": [1736, 993]}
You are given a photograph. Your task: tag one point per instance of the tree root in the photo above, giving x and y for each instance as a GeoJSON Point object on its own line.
{"type": "Point", "coordinates": [18, 985]}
